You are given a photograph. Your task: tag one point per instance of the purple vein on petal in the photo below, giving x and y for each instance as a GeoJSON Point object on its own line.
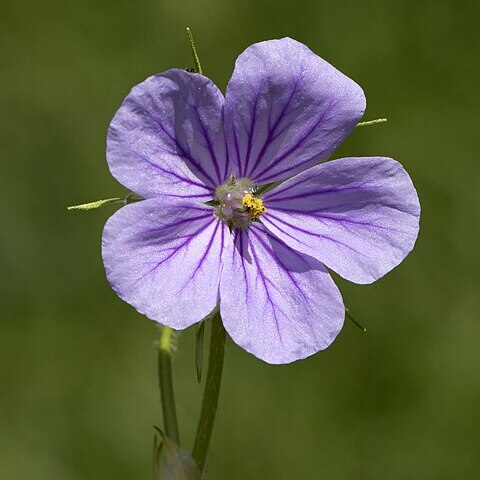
{"type": "Point", "coordinates": [271, 252]}
{"type": "Point", "coordinates": [267, 218]}
{"type": "Point", "coordinates": [294, 147]}
{"type": "Point", "coordinates": [301, 258]}
{"type": "Point", "coordinates": [153, 231]}
{"type": "Point", "coordinates": [314, 193]}
{"type": "Point", "coordinates": [237, 151]}
{"type": "Point", "coordinates": [351, 221]}
{"type": "Point", "coordinates": [176, 175]}
{"type": "Point", "coordinates": [204, 256]}
{"type": "Point", "coordinates": [240, 245]}
{"type": "Point", "coordinates": [172, 195]}
{"type": "Point", "coordinates": [272, 134]}
{"type": "Point", "coordinates": [174, 252]}
{"type": "Point", "coordinates": [308, 232]}
{"type": "Point", "coordinates": [252, 130]}
{"type": "Point", "coordinates": [209, 146]}
{"type": "Point", "coordinates": [265, 280]}
{"type": "Point", "coordinates": [181, 150]}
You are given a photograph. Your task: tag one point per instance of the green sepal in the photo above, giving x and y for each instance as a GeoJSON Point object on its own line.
{"type": "Point", "coordinates": [212, 203]}
{"type": "Point", "coordinates": [171, 462]}
{"type": "Point", "coordinates": [372, 122]}
{"type": "Point", "coordinates": [130, 198]}
{"type": "Point", "coordinates": [358, 325]}
{"type": "Point", "coordinates": [260, 189]}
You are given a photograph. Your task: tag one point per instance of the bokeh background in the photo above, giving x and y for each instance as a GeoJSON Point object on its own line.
{"type": "Point", "coordinates": [78, 392]}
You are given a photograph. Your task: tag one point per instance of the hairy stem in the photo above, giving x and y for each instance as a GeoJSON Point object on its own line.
{"type": "Point", "coordinates": [165, 382]}
{"type": "Point", "coordinates": [212, 390]}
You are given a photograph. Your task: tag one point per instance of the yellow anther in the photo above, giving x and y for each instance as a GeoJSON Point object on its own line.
{"type": "Point", "coordinates": [253, 206]}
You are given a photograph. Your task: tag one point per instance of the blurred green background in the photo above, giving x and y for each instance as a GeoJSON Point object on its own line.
{"type": "Point", "coordinates": [78, 393]}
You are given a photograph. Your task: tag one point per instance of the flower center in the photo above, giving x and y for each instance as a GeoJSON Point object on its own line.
{"type": "Point", "coordinates": [236, 203]}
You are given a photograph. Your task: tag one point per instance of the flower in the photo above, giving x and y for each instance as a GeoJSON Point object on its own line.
{"type": "Point", "coordinates": [204, 236]}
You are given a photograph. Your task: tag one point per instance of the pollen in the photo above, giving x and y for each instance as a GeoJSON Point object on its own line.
{"type": "Point", "coordinates": [253, 206]}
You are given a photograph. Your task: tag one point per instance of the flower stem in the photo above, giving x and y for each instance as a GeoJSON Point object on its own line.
{"type": "Point", "coordinates": [212, 390]}
{"type": "Point", "coordinates": [165, 382]}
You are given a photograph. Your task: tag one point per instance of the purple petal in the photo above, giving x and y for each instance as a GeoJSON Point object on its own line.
{"type": "Point", "coordinates": [286, 109]}
{"type": "Point", "coordinates": [167, 137]}
{"type": "Point", "coordinates": [163, 257]}
{"type": "Point", "coordinates": [277, 304]}
{"type": "Point", "coordinates": [358, 216]}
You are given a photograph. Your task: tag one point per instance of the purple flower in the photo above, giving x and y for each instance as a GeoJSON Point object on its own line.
{"type": "Point", "coordinates": [179, 143]}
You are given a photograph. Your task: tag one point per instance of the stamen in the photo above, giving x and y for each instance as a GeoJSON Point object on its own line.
{"type": "Point", "coordinates": [253, 206]}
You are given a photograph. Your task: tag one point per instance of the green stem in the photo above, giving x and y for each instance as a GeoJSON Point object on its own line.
{"type": "Point", "coordinates": [212, 390]}
{"type": "Point", "coordinates": [166, 383]}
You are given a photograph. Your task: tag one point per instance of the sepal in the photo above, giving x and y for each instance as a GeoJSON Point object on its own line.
{"type": "Point", "coordinates": [171, 462]}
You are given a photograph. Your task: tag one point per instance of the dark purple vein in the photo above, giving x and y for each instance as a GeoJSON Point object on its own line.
{"type": "Point", "coordinates": [319, 235]}
{"type": "Point", "coordinates": [252, 128]}
{"type": "Point", "coordinates": [169, 172]}
{"type": "Point", "coordinates": [271, 130]}
{"type": "Point", "coordinates": [209, 146]}
{"type": "Point", "coordinates": [203, 258]}
{"type": "Point", "coordinates": [267, 292]}
{"type": "Point", "coordinates": [314, 193]}
{"type": "Point", "coordinates": [176, 223]}
{"type": "Point", "coordinates": [176, 249]}
{"type": "Point", "coordinates": [294, 147]}
{"type": "Point", "coordinates": [240, 234]}
{"type": "Point", "coordinates": [176, 143]}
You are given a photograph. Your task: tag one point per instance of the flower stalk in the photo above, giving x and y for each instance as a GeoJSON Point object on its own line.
{"type": "Point", "coordinates": [165, 381]}
{"type": "Point", "coordinates": [211, 393]}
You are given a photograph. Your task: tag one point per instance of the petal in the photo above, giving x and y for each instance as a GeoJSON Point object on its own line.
{"type": "Point", "coordinates": [277, 304]}
{"type": "Point", "coordinates": [286, 109]}
{"type": "Point", "coordinates": [167, 137]}
{"type": "Point", "coordinates": [163, 257]}
{"type": "Point", "coordinates": [358, 216]}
